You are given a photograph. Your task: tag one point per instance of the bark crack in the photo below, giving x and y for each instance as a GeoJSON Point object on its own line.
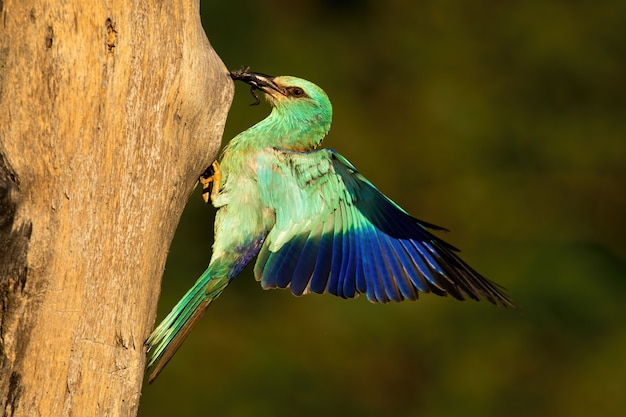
{"type": "Point", "coordinates": [13, 272]}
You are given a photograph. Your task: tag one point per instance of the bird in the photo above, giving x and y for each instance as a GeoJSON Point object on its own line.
{"type": "Point", "coordinates": [314, 222]}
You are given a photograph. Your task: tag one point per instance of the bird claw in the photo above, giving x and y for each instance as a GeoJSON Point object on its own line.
{"type": "Point", "coordinates": [211, 180]}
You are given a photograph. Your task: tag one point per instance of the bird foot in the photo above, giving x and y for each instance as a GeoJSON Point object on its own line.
{"type": "Point", "coordinates": [210, 180]}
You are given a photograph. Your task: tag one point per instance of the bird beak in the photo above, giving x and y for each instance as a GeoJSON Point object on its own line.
{"type": "Point", "coordinates": [258, 81]}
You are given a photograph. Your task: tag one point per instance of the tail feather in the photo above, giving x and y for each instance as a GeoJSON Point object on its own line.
{"type": "Point", "coordinates": [174, 329]}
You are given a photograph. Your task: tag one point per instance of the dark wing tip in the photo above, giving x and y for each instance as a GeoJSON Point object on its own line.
{"type": "Point", "coordinates": [467, 280]}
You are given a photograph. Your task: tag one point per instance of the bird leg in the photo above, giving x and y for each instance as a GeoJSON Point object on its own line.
{"type": "Point", "coordinates": [210, 180]}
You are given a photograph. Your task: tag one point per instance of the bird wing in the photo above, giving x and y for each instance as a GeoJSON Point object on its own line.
{"type": "Point", "coordinates": [336, 233]}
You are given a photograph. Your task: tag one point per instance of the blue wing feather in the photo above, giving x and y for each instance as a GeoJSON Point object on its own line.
{"type": "Point", "coordinates": [366, 259]}
{"type": "Point", "coordinates": [393, 280]}
{"type": "Point", "coordinates": [348, 287]}
{"type": "Point", "coordinates": [345, 252]}
{"type": "Point", "coordinates": [319, 280]}
{"type": "Point", "coordinates": [381, 257]}
{"type": "Point", "coordinates": [405, 285]}
{"type": "Point", "coordinates": [285, 267]}
{"type": "Point", "coordinates": [306, 263]}
{"type": "Point", "coordinates": [337, 254]}
{"type": "Point", "coordinates": [348, 274]}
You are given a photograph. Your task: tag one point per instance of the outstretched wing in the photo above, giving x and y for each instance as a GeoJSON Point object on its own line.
{"type": "Point", "coordinates": [335, 232]}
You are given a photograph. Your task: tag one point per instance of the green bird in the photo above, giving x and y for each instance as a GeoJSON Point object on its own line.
{"type": "Point", "coordinates": [316, 224]}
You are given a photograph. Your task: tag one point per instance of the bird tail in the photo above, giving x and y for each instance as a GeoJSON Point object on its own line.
{"type": "Point", "coordinates": [172, 331]}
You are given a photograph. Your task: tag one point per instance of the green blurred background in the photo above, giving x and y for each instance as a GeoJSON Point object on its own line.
{"type": "Point", "coordinates": [504, 122]}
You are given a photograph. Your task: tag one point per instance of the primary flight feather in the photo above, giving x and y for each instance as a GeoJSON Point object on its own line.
{"type": "Point", "coordinates": [316, 224]}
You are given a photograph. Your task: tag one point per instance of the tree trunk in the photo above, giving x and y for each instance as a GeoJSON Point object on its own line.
{"type": "Point", "coordinates": [109, 112]}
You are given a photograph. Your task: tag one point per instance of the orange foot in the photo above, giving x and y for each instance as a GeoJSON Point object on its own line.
{"type": "Point", "coordinates": [210, 180]}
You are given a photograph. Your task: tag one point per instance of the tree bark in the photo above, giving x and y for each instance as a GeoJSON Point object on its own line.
{"type": "Point", "coordinates": [109, 112]}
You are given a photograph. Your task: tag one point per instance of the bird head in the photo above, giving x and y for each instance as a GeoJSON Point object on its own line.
{"type": "Point", "coordinates": [298, 103]}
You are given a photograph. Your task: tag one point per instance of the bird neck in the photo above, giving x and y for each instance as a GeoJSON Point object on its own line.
{"type": "Point", "coordinates": [287, 129]}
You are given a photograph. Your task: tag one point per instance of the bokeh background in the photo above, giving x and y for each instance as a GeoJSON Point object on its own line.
{"type": "Point", "coordinates": [504, 122]}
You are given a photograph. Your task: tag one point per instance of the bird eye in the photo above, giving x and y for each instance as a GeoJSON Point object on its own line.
{"type": "Point", "coordinates": [297, 92]}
